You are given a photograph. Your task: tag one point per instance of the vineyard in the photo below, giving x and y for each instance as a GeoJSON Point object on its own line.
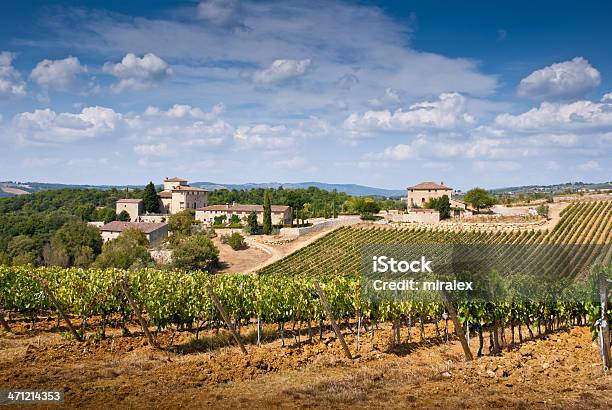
{"type": "Point", "coordinates": [283, 292]}
{"type": "Point", "coordinates": [283, 295]}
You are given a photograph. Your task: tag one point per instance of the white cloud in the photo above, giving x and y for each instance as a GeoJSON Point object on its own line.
{"type": "Point", "coordinates": [552, 165]}
{"type": "Point", "coordinates": [558, 116]}
{"type": "Point", "coordinates": [226, 13]}
{"type": "Point", "coordinates": [40, 162]}
{"type": "Point", "coordinates": [448, 112]}
{"type": "Point", "coordinates": [138, 73]}
{"type": "Point", "coordinates": [47, 126]}
{"type": "Point", "coordinates": [263, 136]}
{"type": "Point", "coordinates": [180, 111]}
{"type": "Point", "coordinates": [488, 166]}
{"type": "Point", "coordinates": [290, 163]}
{"type": "Point", "coordinates": [157, 150]}
{"type": "Point", "coordinates": [589, 165]}
{"type": "Point", "coordinates": [561, 81]}
{"type": "Point", "coordinates": [11, 84]}
{"type": "Point", "coordinates": [607, 98]}
{"type": "Point", "coordinates": [59, 74]}
{"type": "Point", "coordinates": [281, 70]}
{"type": "Point", "coordinates": [155, 132]}
{"type": "Point", "coordinates": [390, 98]}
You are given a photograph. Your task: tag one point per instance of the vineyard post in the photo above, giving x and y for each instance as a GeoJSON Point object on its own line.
{"type": "Point", "coordinates": [325, 303]}
{"type": "Point", "coordinates": [226, 318]}
{"type": "Point", "coordinates": [143, 323]}
{"type": "Point", "coordinates": [359, 314]}
{"type": "Point", "coordinates": [452, 312]}
{"type": "Point", "coordinates": [58, 306]}
{"type": "Point", "coordinates": [5, 325]}
{"type": "Point", "coordinates": [604, 327]}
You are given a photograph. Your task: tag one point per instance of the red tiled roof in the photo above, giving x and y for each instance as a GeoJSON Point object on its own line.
{"type": "Point", "coordinates": [165, 194]}
{"type": "Point", "coordinates": [129, 201]}
{"type": "Point", "coordinates": [119, 226]}
{"type": "Point", "coordinates": [430, 185]}
{"type": "Point", "coordinates": [189, 188]}
{"type": "Point", "coordinates": [244, 208]}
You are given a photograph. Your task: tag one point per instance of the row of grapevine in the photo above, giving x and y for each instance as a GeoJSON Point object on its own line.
{"type": "Point", "coordinates": [179, 298]}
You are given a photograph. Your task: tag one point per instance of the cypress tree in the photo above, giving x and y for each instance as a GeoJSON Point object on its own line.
{"type": "Point", "coordinates": [150, 200]}
{"type": "Point", "coordinates": [267, 216]}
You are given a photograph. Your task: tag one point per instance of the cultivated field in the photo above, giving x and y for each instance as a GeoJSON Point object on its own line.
{"type": "Point", "coordinates": [536, 353]}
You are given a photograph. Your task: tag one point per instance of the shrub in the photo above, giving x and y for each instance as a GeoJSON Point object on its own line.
{"type": "Point", "coordinates": [235, 240]}
{"type": "Point", "coordinates": [542, 210]}
{"type": "Point", "coordinates": [181, 222]}
{"type": "Point", "coordinates": [195, 252]}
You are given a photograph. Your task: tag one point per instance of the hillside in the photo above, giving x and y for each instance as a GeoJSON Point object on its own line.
{"type": "Point", "coordinates": [340, 251]}
{"type": "Point", "coordinates": [9, 188]}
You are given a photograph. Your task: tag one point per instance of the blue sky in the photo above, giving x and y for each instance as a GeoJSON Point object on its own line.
{"type": "Point", "coordinates": [377, 93]}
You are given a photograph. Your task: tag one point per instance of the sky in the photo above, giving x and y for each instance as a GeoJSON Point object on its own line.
{"type": "Point", "coordinates": [386, 94]}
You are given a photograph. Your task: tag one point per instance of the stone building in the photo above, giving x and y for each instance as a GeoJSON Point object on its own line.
{"type": "Point", "coordinates": [420, 194]}
{"type": "Point", "coordinates": [281, 214]}
{"type": "Point", "coordinates": [178, 195]}
{"type": "Point", "coordinates": [134, 207]}
{"type": "Point", "coordinates": [155, 232]}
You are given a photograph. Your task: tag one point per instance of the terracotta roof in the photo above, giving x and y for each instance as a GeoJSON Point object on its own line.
{"type": "Point", "coordinates": [165, 194]}
{"type": "Point", "coordinates": [129, 201]}
{"type": "Point", "coordinates": [243, 208]}
{"type": "Point", "coordinates": [119, 226]}
{"type": "Point", "coordinates": [175, 179]}
{"type": "Point", "coordinates": [189, 188]}
{"type": "Point", "coordinates": [430, 185]}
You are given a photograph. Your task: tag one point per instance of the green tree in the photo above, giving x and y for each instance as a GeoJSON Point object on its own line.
{"type": "Point", "coordinates": [22, 250]}
{"type": "Point", "coordinates": [104, 214]}
{"type": "Point", "coordinates": [150, 200]}
{"type": "Point", "coordinates": [55, 256]}
{"type": "Point", "coordinates": [252, 225]}
{"type": "Point", "coordinates": [80, 241]}
{"type": "Point", "coordinates": [85, 211]}
{"type": "Point", "coordinates": [234, 220]}
{"type": "Point", "coordinates": [123, 216]}
{"type": "Point", "coordinates": [195, 252]}
{"type": "Point", "coordinates": [128, 251]}
{"type": "Point", "coordinates": [181, 222]}
{"type": "Point", "coordinates": [219, 220]}
{"type": "Point", "coordinates": [370, 206]}
{"type": "Point", "coordinates": [479, 198]}
{"type": "Point", "coordinates": [267, 214]}
{"type": "Point", "coordinates": [442, 205]}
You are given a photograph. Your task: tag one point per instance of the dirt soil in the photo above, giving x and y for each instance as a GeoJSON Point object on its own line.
{"type": "Point", "coordinates": [239, 261]}
{"type": "Point", "coordinates": [560, 370]}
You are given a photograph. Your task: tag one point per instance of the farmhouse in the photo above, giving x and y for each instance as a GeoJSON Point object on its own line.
{"type": "Point", "coordinates": [420, 194]}
{"type": "Point", "coordinates": [176, 196]}
{"type": "Point", "coordinates": [281, 214]}
{"type": "Point", "coordinates": [155, 232]}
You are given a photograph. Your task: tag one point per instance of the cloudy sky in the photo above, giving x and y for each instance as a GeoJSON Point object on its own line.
{"type": "Point", "coordinates": [376, 93]}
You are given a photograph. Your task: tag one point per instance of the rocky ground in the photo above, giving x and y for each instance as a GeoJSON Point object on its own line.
{"type": "Point", "coordinates": [560, 370]}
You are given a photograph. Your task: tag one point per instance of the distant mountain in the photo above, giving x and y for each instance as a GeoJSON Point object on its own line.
{"type": "Point", "coordinates": [9, 188]}
{"type": "Point", "coordinates": [350, 189]}
{"type": "Point", "coordinates": [556, 188]}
